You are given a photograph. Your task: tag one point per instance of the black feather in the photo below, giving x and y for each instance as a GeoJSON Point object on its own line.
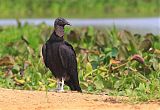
{"type": "Point", "coordinates": [60, 57]}
{"type": "Point", "coordinates": [44, 54]}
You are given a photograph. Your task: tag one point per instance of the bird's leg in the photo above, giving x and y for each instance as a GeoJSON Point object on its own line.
{"type": "Point", "coordinates": [62, 84]}
{"type": "Point", "coordinates": [58, 84]}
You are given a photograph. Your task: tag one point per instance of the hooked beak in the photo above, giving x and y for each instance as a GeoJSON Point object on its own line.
{"type": "Point", "coordinates": [67, 23]}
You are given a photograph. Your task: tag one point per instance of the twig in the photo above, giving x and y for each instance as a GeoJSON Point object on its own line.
{"type": "Point", "coordinates": [114, 68]}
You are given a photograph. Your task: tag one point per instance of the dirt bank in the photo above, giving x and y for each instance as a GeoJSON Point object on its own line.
{"type": "Point", "coordinates": [40, 100]}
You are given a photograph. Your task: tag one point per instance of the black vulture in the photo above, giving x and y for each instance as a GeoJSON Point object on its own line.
{"type": "Point", "coordinates": [60, 57]}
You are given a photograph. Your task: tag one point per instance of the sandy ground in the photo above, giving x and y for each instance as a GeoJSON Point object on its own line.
{"type": "Point", "coordinates": [40, 100]}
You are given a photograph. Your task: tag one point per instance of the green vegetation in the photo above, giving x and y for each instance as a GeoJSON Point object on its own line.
{"type": "Point", "coordinates": [78, 8]}
{"type": "Point", "coordinates": [110, 62]}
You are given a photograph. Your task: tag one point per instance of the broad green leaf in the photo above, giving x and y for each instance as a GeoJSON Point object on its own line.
{"type": "Point", "coordinates": [99, 84]}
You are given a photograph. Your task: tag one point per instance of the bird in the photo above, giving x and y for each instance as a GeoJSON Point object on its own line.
{"type": "Point", "coordinates": [60, 57]}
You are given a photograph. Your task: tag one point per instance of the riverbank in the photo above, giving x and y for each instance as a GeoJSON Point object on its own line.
{"type": "Point", "coordinates": [78, 8]}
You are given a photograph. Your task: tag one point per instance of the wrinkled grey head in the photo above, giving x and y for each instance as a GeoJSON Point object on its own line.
{"type": "Point", "coordinates": [61, 22]}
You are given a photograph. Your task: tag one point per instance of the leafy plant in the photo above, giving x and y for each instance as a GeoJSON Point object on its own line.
{"type": "Point", "coordinates": [117, 66]}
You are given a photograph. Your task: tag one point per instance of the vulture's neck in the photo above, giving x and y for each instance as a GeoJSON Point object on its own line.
{"type": "Point", "coordinates": [59, 30]}
{"type": "Point", "coordinates": [55, 38]}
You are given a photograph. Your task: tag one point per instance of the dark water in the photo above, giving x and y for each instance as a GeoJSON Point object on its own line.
{"type": "Point", "coordinates": [136, 25]}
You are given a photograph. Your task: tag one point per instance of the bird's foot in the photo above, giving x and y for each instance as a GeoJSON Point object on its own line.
{"type": "Point", "coordinates": [56, 90]}
{"type": "Point", "coordinates": [60, 90]}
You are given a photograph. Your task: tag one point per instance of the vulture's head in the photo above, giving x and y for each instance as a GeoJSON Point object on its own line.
{"type": "Point", "coordinates": [61, 22]}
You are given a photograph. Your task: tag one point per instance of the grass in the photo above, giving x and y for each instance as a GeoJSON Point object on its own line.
{"type": "Point", "coordinates": [110, 62]}
{"type": "Point", "coordinates": [78, 8]}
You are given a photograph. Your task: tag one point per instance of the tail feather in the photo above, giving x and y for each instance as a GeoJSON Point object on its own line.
{"type": "Point", "coordinates": [74, 86]}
